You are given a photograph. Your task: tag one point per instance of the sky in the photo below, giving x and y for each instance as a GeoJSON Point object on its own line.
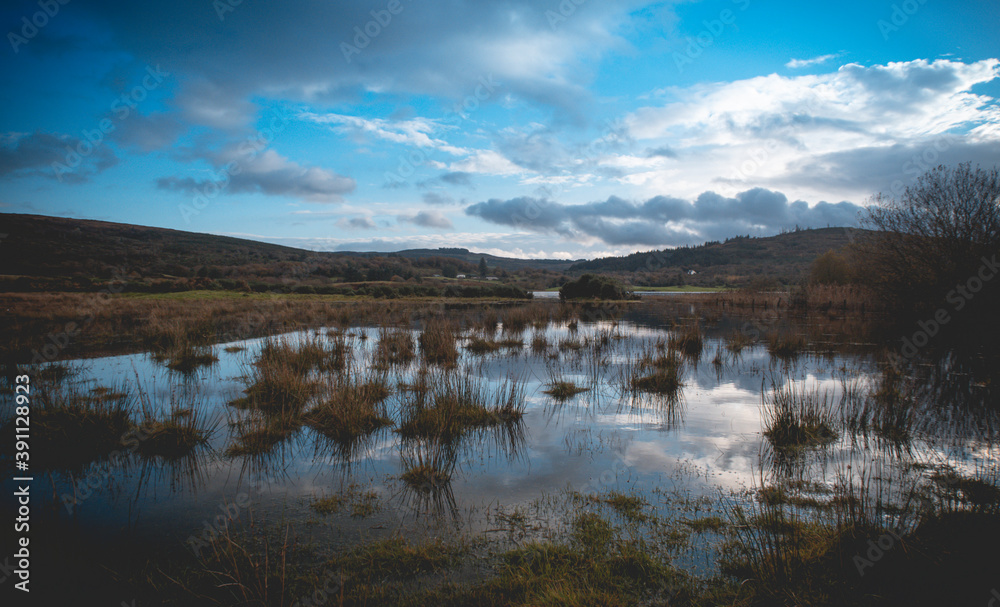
{"type": "Point", "coordinates": [547, 129]}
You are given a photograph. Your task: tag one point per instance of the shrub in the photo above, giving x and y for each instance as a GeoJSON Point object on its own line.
{"type": "Point", "coordinates": [593, 286]}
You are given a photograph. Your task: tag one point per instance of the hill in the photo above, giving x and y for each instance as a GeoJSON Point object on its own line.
{"type": "Point", "coordinates": [56, 253]}
{"type": "Point", "coordinates": [784, 258]}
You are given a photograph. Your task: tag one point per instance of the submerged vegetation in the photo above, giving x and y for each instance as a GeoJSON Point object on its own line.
{"type": "Point", "coordinates": [795, 418]}
{"type": "Point", "coordinates": [460, 403]}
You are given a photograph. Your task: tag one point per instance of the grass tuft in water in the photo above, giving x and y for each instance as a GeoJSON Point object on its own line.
{"type": "Point", "coordinates": [795, 418]}
{"type": "Point", "coordinates": [460, 403]}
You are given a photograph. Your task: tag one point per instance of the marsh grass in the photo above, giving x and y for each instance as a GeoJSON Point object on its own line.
{"type": "Point", "coordinates": [628, 506]}
{"type": "Point", "coordinates": [516, 319]}
{"type": "Point", "coordinates": [687, 340]}
{"type": "Point", "coordinates": [570, 344]}
{"type": "Point", "coordinates": [707, 524]}
{"type": "Point", "coordinates": [886, 408]}
{"type": "Point", "coordinates": [249, 563]}
{"type": "Point", "coordinates": [352, 408]}
{"type": "Point", "coordinates": [362, 503]}
{"type": "Point", "coordinates": [564, 390]}
{"type": "Point", "coordinates": [437, 342]}
{"type": "Point", "coordinates": [460, 403]}
{"type": "Point", "coordinates": [427, 465]}
{"type": "Point", "coordinates": [257, 434]}
{"type": "Point", "coordinates": [795, 418]}
{"type": "Point", "coordinates": [174, 435]}
{"type": "Point", "coordinates": [657, 372]}
{"type": "Point", "coordinates": [395, 347]}
{"type": "Point", "coordinates": [279, 381]}
{"type": "Point", "coordinates": [481, 346]}
{"type": "Point", "coordinates": [737, 341]}
{"type": "Point", "coordinates": [190, 358]}
{"type": "Point", "coordinates": [786, 346]}
{"type": "Point", "coordinates": [71, 428]}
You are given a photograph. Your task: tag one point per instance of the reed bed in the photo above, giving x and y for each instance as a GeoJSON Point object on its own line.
{"type": "Point", "coordinates": [687, 340]}
{"type": "Point", "coordinates": [352, 408]}
{"type": "Point", "coordinates": [437, 342]}
{"type": "Point", "coordinates": [795, 418]}
{"type": "Point", "coordinates": [459, 403]}
{"type": "Point", "coordinates": [395, 347]}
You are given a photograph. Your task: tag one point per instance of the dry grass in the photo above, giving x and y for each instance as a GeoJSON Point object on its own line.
{"type": "Point", "coordinates": [795, 418]}
{"type": "Point", "coordinates": [687, 340]}
{"type": "Point", "coordinates": [437, 342]}
{"type": "Point", "coordinates": [460, 403]}
{"type": "Point", "coordinates": [395, 347]}
{"type": "Point", "coordinates": [352, 409]}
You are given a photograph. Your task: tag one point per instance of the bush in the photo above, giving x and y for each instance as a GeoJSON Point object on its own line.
{"type": "Point", "coordinates": [593, 286]}
{"type": "Point", "coordinates": [933, 239]}
{"type": "Point", "coordinates": [830, 268]}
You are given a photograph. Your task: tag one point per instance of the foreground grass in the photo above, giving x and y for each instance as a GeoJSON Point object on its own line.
{"type": "Point", "coordinates": [607, 549]}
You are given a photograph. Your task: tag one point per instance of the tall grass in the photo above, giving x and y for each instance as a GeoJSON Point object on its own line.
{"type": "Point", "coordinates": [687, 340]}
{"type": "Point", "coordinates": [437, 342]}
{"type": "Point", "coordinates": [395, 347]}
{"type": "Point", "coordinates": [795, 418]}
{"type": "Point", "coordinates": [460, 403]}
{"type": "Point", "coordinates": [352, 409]}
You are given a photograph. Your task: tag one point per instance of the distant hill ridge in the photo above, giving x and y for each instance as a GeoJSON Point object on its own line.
{"type": "Point", "coordinates": [45, 246]}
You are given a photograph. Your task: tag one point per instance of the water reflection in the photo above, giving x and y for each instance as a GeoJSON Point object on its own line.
{"type": "Point", "coordinates": [937, 412]}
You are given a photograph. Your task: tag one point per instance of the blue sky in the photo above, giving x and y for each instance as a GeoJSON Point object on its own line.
{"type": "Point", "coordinates": [540, 129]}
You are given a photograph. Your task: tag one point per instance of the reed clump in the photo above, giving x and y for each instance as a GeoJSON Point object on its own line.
{"type": "Point", "coordinates": [564, 390]}
{"type": "Point", "coordinates": [481, 346]}
{"type": "Point", "coordinates": [658, 372]}
{"type": "Point", "coordinates": [395, 347]}
{"type": "Point", "coordinates": [688, 341]}
{"type": "Point", "coordinates": [795, 418]}
{"type": "Point", "coordinates": [786, 346]}
{"type": "Point", "coordinates": [437, 342]}
{"type": "Point", "coordinates": [460, 403]}
{"type": "Point", "coordinates": [351, 409]}
{"type": "Point", "coordinates": [174, 436]}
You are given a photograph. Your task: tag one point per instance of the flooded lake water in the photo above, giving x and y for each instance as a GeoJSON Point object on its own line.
{"type": "Point", "coordinates": [692, 452]}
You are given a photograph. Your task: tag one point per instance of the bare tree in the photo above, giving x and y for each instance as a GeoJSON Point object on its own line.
{"type": "Point", "coordinates": [933, 237]}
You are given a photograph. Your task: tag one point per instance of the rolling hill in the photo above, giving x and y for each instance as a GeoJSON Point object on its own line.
{"type": "Point", "coordinates": [41, 252]}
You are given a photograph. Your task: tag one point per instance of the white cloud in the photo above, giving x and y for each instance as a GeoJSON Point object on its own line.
{"type": "Point", "coordinates": [800, 63]}
{"type": "Point", "coordinates": [755, 132]}
{"type": "Point", "coordinates": [487, 162]}
{"type": "Point", "coordinates": [415, 132]}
